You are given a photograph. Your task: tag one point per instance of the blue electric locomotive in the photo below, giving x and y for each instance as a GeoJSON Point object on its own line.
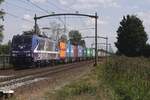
{"type": "Point", "coordinates": [29, 50]}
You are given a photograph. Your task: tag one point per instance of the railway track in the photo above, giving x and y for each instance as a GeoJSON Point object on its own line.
{"type": "Point", "coordinates": [26, 73]}
{"type": "Point", "coordinates": [17, 81]}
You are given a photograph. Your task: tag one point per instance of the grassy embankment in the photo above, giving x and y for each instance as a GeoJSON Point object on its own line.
{"type": "Point", "coordinates": [122, 79]}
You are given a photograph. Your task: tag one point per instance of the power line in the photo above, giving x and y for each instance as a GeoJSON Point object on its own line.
{"type": "Point", "coordinates": [27, 9]}
{"type": "Point", "coordinates": [17, 17]}
{"type": "Point", "coordinates": [38, 6]}
{"type": "Point", "coordinates": [56, 6]}
{"type": "Point", "coordinates": [69, 8]}
{"type": "Point", "coordinates": [23, 1]}
{"type": "Point", "coordinates": [42, 9]}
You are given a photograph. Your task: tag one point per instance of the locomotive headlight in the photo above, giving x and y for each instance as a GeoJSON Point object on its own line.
{"type": "Point", "coordinates": [28, 54]}
{"type": "Point", "coordinates": [14, 54]}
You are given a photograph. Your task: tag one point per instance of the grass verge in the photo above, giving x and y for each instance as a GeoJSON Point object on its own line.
{"type": "Point", "coordinates": [89, 87]}
{"type": "Point", "coordinates": [129, 78]}
{"type": "Point", "coordinates": [122, 78]}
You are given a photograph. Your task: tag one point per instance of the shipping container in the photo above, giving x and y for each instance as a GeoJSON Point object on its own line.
{"type": "Point", "coordinates": [80, 51]}
{"type": "Point", "coordinates": [90, 55]}
{"type": "Point", "coordinates": [75, 51]}
{"type": "Point", "coordinates": [62, 50]}
{"type": "Point", "coordinates": [88, 52]}
{"type": "Point", "coordinates": [84, 53]}
{"type": "Point", "coordinates": [69, 50]}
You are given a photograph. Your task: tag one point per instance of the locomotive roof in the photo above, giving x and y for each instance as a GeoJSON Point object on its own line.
{"type": "Point", "coordinates": [31, 35]}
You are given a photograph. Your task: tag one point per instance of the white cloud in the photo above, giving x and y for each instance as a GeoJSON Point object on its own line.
{"type": "Point", "coordinates": [135, 7]}
{"type": "Point", "coordinates": [88, 4]}
{"type": "Point", "coordinates": [145, 16]}
{"type": "Point", "coordinates": [39, 1]}
{"type": "Point", "coordinates": [67, 2]}
{"type": "Point", "coordinates": [27, 26]}
{"type": "Point", "coordinates": [28, 17]}
{"type": "Point", "coordinates": [63, 2]}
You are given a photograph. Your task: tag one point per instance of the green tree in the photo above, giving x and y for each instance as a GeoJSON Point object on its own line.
{"type": "Point", "coordinates": [1, 26]}
{"type": "Point", "coordinates": [82, 43]}
{"type": "Point", "coordinates": [131, 37]}
{"type": "Point", "coordinates": [63, 38]}
{"type": "Point", "coordinates": [5, 48]}
{"type": "Point", "coordinates": [76, 38]}
{"type": "Point", "coordinates": [146, 51]}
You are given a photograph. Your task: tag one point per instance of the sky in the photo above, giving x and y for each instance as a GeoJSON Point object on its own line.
{"type": "Point", "coordinates": [20, 13]}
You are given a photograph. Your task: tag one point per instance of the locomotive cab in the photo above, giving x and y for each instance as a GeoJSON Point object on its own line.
{"type": "Point", "coordinates": [21, 52]}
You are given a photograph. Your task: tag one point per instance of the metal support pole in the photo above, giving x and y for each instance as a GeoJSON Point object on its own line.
{"type": "Point", "coordinates": [106, 45]}
{"type": "Point", "coordinates": [96, 53]}
{"type": "Point", "coordinates": [35, 26]}
{"type": "Point", "coordinates": [106, 50]}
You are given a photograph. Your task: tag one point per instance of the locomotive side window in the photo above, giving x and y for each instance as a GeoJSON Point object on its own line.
{"type": "Point", "coordinates": [41, 45]}
{"type": "Point", "coordinates": [49, 46]}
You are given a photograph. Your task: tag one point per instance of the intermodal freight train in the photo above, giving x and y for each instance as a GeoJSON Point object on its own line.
{"type": "Point", "coordinates": [35, 50]}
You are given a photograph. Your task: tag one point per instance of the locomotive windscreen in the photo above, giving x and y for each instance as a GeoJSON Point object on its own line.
{"type": "Point", "coordinates": [22, 43]}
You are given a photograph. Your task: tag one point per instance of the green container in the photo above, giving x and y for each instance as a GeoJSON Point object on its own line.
{"type": "Point", "coordinates": [88, 52]}
{"type": "Point", "coordinates": [84, 52]}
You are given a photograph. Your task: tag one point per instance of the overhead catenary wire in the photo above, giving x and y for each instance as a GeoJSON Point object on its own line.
{"type": "Point", "coordinates": [21, 7]}
{"type": "Point", "coordinates": [58, 7]}
{"type": "Point", "coordinates": [24, 2]}
{"type": "Point", "coordinates": [44, 10]}
{"type": "Point", "coordinates": [17, 17]}
{"type": "Point", "coordinates": [67, 9]}
{"type": "Point", "coordinates": [37, 6]}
